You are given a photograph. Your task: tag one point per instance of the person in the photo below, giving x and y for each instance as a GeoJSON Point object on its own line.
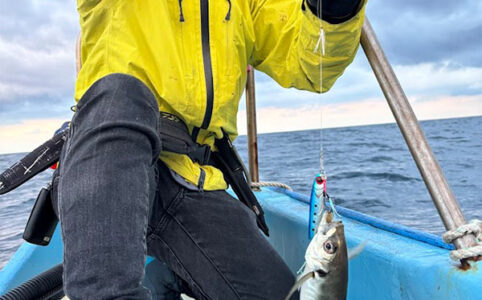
{"type": "Point", "coordinates": [121, 197]}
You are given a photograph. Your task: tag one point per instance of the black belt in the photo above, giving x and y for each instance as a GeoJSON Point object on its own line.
{"type": "Point", "coordinates": [175, 138]}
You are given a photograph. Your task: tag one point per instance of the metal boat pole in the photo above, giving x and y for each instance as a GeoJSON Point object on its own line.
{"type": "Point", "coordinates": [252, 131]}
{"type": "Point", "coordinates": [442, 196]}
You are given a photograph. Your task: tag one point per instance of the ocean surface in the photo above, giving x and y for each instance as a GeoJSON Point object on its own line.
{"type": "Point", "coordinates": [369, 169]}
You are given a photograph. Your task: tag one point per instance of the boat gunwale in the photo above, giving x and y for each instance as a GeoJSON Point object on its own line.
{"type": "Point", "coordinates": [401, 230]}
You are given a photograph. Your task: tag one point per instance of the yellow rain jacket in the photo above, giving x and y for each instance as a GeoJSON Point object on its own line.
{"type": "Point", "coordinates": [193, 56]}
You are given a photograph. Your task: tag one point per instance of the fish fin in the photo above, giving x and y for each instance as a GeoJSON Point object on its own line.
{"type": "Point", "coordinates": [353, 252]}
{"type": "Point", "coordinates": [301, 269]}
{"type": "Point", "coordinates": [299, 282]}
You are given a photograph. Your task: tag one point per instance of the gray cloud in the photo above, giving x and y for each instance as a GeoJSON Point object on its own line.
{"type": "Point", "coordinates": [37, 58]}
{"type": "Point", "coordinates": [413, 31]}
{"type": "Point", "coordinates": [40, 25]}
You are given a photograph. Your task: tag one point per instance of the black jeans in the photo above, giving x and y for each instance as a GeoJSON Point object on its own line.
{"type": "Point", "coordinates": [118, 202]}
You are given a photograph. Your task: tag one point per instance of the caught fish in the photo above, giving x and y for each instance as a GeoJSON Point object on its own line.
{"type": "Point", "coordinates": [325, 273]}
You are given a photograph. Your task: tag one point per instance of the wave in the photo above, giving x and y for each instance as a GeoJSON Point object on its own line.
{"type": "Point", "coordinates": [361, 204]}
{"type": "Point", "coordinates": [370, 145]}
{"type": "Point", "coordinates": [395, 177]}
{"type": "Point", "coordinates": [439, 138]}
{"type": "Point", "coordinates": [380, 158]}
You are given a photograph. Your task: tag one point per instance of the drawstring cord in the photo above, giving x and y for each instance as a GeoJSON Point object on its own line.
{"type": "Point", "coordinates": [228, 15]}
{"type": "Point", "coordinates": [181, 16]}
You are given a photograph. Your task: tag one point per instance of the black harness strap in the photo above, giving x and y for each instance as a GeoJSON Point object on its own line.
{"type": "Point", "coordinates": [228, 161]}
{"type": "Point", "coordinates": [175, 138]}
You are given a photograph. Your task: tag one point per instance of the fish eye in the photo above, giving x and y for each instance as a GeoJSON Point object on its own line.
{"type": "Point", "coordinates": [329, 247]}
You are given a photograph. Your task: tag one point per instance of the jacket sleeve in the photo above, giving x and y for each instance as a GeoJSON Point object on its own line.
{"type": "Point", "coordinates": [286, 36]}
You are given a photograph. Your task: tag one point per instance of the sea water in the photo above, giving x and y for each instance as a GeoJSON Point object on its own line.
{"type": "Point", "coordinates": [369, 169]}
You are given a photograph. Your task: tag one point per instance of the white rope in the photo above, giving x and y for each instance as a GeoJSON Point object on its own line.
{"type": "Point", "coordinates": [473, 227]}
{"type": "Point", "coordinates": [271, 183]}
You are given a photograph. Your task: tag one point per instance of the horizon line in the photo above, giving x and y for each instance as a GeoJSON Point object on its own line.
{"type": "Point", "coordinates": [328, 127]}
{"type": "Point", "coordinates": [363, 125]}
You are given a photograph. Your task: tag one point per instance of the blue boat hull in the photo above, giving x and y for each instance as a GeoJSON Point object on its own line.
{"type": "Point", "coordinates": [396, 263]}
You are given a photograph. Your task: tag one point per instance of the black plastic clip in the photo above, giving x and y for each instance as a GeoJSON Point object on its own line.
{"type": "Point", "coordinates": [201, 154]}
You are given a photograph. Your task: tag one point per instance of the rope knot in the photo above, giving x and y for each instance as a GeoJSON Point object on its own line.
{"type": "Point", "coordinates": [473, 227]}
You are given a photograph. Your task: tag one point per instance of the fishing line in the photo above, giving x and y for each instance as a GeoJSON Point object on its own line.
{"type": "Point", "coordinates": [322, 153]}
{"type": "Point", "coordinates": [326, 200]}
{"type": "Point", "coordinates": [321, 42]}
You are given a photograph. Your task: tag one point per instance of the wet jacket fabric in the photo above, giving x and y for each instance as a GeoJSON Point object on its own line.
{"type": "Point", "coordinates": [193, 54]}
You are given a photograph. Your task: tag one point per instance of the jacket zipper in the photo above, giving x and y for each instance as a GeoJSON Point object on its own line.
{"type": "Point", "coordinates": [208, 71]}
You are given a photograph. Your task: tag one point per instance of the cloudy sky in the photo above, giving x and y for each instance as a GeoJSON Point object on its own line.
{"type": "Point", "coordinates": [434, 45]}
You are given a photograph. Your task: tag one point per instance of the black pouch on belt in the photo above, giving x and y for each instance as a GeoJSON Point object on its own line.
{"type": "Point", "coordinates": [42, 221]}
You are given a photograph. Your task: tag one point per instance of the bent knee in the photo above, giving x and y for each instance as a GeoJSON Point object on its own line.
{"type": "Point", "coordinates": [118, 97]}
